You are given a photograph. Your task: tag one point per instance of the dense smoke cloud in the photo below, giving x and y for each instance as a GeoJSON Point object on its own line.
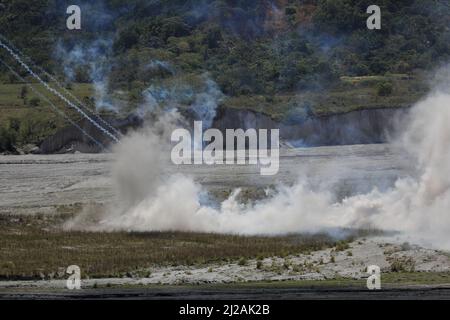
{"type": "Point", "coordinates": [417, 206]}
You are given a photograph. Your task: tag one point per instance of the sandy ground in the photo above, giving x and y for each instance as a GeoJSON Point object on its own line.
{"type": "Point", "coordinates": [40, 183]}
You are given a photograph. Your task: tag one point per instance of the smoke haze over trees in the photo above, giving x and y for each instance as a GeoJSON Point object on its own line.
{"type": "Point", "coordinates": [255, 52]}
{"type": "Point", "coordinates": [249, 47]}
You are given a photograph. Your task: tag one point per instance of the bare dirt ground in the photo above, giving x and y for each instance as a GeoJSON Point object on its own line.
{"type": "Point", "coordinates": [40, 183]}
{"type": "Point", "coordinates": [31, 184]}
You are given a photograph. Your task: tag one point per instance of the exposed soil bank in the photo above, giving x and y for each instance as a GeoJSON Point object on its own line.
{"type": "Point", "coordinates": [356, 127]}
{"type": "Point", "coordinates": [71, 139]}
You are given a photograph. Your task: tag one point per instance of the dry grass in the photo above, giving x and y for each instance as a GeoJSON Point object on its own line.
{"type": "Point", "coordinates": [36, 247]}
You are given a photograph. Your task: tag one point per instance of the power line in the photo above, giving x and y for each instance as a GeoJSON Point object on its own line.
{"type": "Point", "coordinates": [52, 90]}
{"type": "Point", "coordinates": [61, 87]}
{"type": "Point", "coordinates": [60, 112]}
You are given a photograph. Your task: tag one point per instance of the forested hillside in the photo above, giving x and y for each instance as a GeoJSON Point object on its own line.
{"type": "Point", "coordinates": [270, 56]}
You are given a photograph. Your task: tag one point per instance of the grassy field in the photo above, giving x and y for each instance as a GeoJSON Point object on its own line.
{"type": "Point", "coordinates": [11, 96]}
{"type": "Point", "coordinates": [352, 93]}
{"type": "Point", "coordinates": [29, 117]}
{"type": "Point", "coordinates": [36, 247]}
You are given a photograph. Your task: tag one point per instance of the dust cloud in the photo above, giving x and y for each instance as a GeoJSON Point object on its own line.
{"type": "Point", "coordinates": [416, 206]}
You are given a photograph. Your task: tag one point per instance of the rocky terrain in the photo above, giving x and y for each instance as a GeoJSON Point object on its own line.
{"type": "Point", "coordinates": [346, 262]}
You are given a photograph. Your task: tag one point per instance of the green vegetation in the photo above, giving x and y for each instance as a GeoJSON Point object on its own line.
{"type": "Point", "coordinates": [25, 118]}
{"type": "Point", "coordinates": [402, 264]}
{"type": "Point", "coordinates": [246, 45]}
{"type": "Point", "coordinates": [36, 247]}
{"type": "Point", "coordinates": [384, 89]}
{"type": "Point", "coordinates": [286, 59]}
{"type": "Point", "coordinates": [259, 264]}
{"type": "Point", "coordinates": [342, 245]}
{"type": "Point", "coordinates": [348, 94]}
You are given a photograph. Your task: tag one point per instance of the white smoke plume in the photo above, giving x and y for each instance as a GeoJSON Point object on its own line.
{"type": "Point", "coordinates": [179, 94]}
{"type": "Point", "coordinates": [92, 56]}
{"type": "Point", "coordinates": [417, 206]}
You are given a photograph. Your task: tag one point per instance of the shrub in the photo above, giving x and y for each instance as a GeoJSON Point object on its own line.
{"type": "Point", "coordinates": [35, 102]}
{"type": "Point", "coordinates": [23, 92]}
{"type": "Point", "coordinates": [342, 245]}
{"type": "Point", "coordinates": [82, 74]}
{"type": "Point", "coordinates": [402, 265]}
{"type": "Point", "coordinates": [384, 89]}
{"type": "Point", "coordinates": [242, 261]}
{"type": "Point", "coordinates": [7, 139]}
{"type": "Point", "coordinates": [296, 269]}
{"type": "Point", "coordinates": [290, 10]}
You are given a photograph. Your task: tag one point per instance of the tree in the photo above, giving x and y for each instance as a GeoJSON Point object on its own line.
{"type": "Point", "coordinates": [7, 139]}
{"type": "Point", "coordinates": [35, 102]}
{"type": "Point", "coordinates": [23, 92]}
{"type": "Point", "coordinates": [384, 88]}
